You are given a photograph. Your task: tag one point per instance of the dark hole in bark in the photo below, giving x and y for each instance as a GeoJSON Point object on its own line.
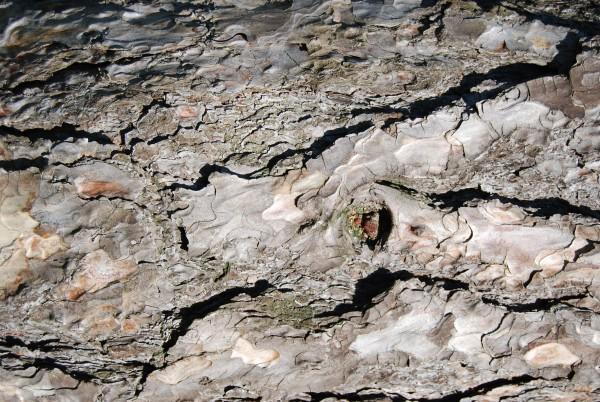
{"type": "Point", "coordinates": [383, 227]}
{"type": "Point", "coordinates": [184, 240]}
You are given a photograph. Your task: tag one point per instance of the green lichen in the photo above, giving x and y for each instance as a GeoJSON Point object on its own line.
{"type": "Point", "coordinates": [288, 311]}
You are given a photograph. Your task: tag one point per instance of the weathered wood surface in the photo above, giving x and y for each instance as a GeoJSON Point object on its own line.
{"type": "Point", "coordinates": [299, 200]}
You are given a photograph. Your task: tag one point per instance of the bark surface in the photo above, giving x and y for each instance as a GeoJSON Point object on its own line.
{"type": "Point", "coordinates": [244, 200]}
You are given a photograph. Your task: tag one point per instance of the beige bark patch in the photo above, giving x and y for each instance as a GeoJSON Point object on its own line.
{"type": "Point", "coordinates": [284, 207]}
{"type": "Point", "coordinates": [19, 232]}
{"type": "Point", "coordinates": [540, 42]}
{"type": "Point", "coordinates": [550, 354]}
{"type": "Point", "coordinates": [98, 271]}
{"type": "Point", "coordinates": [284, 197]}
{"type": "Point", "coordinates": [588, 232]}
{"type": "Point", "coordinates": [187, 112]}
{"type": "Point", "coordinates": [5, 153]}
{"type": "Point", "coordinates": [553, 261]}
{"type": "Point", "coordinates": [13, 273]}
{"type": "Point", "coordinates": [13, 224]}
{"type": "Point", "coordinates": [502, 214]}
{"type": "Point", "coordinates": [251, 355]}
{"type": "Point", "coordinates": [42, 247]}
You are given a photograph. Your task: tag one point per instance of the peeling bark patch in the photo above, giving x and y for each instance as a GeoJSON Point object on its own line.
{"type": "Point", "coordinates": [551, 354]}
{"type": "Point", "coordinates": [97, 271]}
{"type": "Point", "coordinates": [15, 272]}
{"type": "Point", "coordinates": [252, 355]}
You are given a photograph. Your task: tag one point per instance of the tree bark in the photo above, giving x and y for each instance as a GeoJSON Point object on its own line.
{"type": "Point", "coordinates": [299, 200]}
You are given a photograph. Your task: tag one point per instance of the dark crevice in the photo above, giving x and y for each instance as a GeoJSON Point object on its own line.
{"type": "Point", "coordinates": [184, 239]}
{"type": "Point", "coordinates": [147, 369]}
{"type": "Point", "coordinates": [159, 138]}
{"type": "Point", "coordinates": [506, 77]}
{"type": "Point", "coordinates": [203, 180]}
{"type": "Point", "coordinates": [451, 397]}
{"type": "Point", "coordinates": [196, 311]}
{"type": "Point", "coordinates": [470, 197]}
{"type": "Point", "coordinates": [397, 186]}
{"type": "Point", "coordinates": [23, 164]}
{"type": "Point", "coordinates": [188, 315]}
{"type": "Point", "coordinates": [538, 305]}
{"type": "Point", "coordinates": [429, 20]}
{"type": "Point", "coordinates": [381, 109]}
{"type": "Point", "coordinates": [585, 26]}
{"type": "Point", "coordinates": [365, 290]}
{"type": "Point", "coordinates": [384, 228]}
{"type": "Point", "coordinates": [487, 5]}
{"type": "Point", "coordinates": [519, 7]}
{"type": "Point", "coordinates": [46, 345]}
{"type": "Point", "coordinates": [163, 137]}
{"type": "Point", "coordinates": [240, 34]}
{"type": "Point", "coordinates": [352, 396]}
{"type": "Point", "coordinates": [329, 138]}
{"type": "Point", "coordinates": [481, 389]}
{"type": "Point", "coordinates": [542, 207]}
{"type": "Point", "coordinates": [48, 363]}
{"type": "Point", "coordinates": [380, 282]}
{"type": "Point", "coordinates": [318, 146]}
{"type": "Point", "coordinates": [313, 151]}
{"type": "Point", "coordinates": [56, 134]}
{"type": "Point", "coordinates": [463, 92]}
{"type": "Point", "coordinates": [51, 364]}
{"type": "Point", "coordinates": [157, 100]}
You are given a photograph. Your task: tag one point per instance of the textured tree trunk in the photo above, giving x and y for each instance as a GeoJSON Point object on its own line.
{"type": "Point", "coordinates": [299, 200]}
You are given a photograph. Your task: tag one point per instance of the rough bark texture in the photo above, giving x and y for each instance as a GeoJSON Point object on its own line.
{"type": "Point", "coordinates": [300, 200]}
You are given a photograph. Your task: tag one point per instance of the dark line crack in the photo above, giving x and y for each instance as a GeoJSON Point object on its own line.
{"type": "Point", "coordinates": [57, 134]}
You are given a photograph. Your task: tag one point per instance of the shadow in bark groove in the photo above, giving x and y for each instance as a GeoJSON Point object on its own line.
{"type": "Point", "coordinates": [507, 76]}
{"type": "Point", "coordinates": [380, 282]}
{"type": "Point", "coordinates": [56, 134]}
{"type": "Point", "coordinates": [50, 364]}
{"type": "Point", "coordinates": [24, 164]}
{"type": "Point", "coordinates": [538, 305]}
{"type": "Point", "coordinates": [203, 181]}
{"type": "Point", "coordinates": [184, 239]}
{"type": "Point", "coordinates": [320, 145]}
{"type": "Point", "coordinates": [542, 207]}
{"type": "Point", "coordinates": [201, 309]}
{"type": "Point", "coordinates": [188, 315]}
{"type": "Point", "coordinates": [469, 197]}
{"type": "Point", "coordinates": [315, 149]}
{"type": "Point", "coordinates": [451, 397]}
